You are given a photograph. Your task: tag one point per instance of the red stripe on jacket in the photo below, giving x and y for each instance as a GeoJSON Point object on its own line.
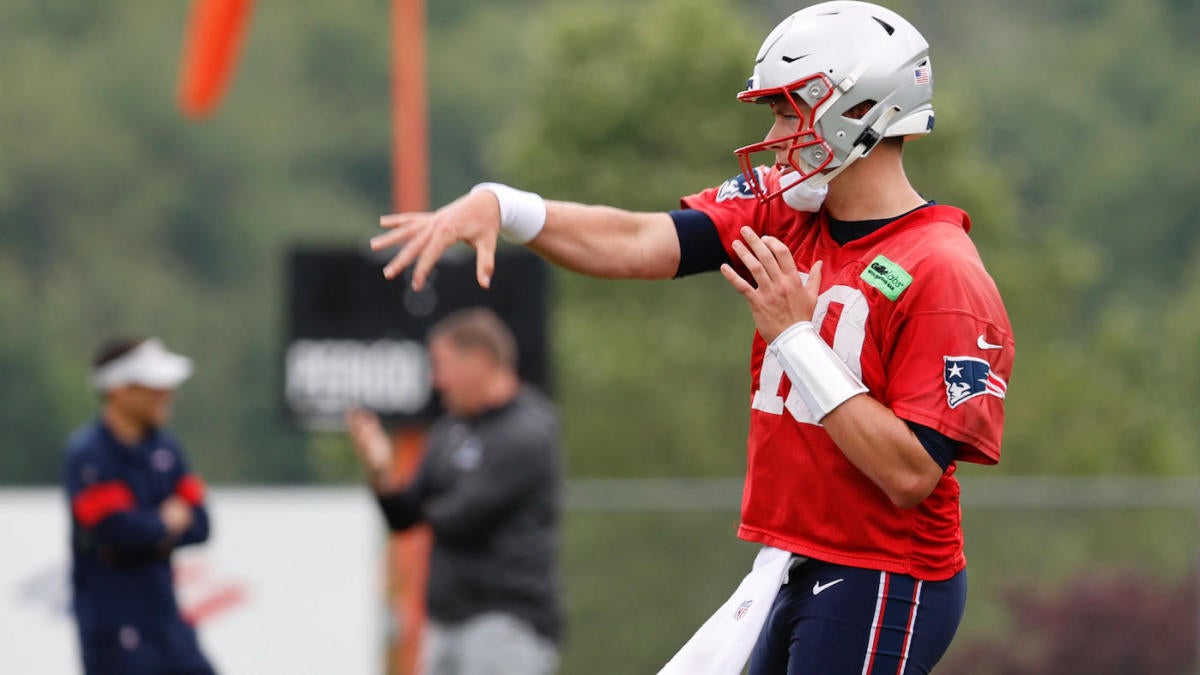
{"type": "Point", "coordinates": [190, 489]}
{"type": "Point", "coordinates": [97, 502]}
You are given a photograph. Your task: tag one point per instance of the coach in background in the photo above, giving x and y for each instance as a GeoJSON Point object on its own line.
{"type": "Point", "coordinates": [489, 487]}
{"type": "Point", "coordinates": [133, 502]}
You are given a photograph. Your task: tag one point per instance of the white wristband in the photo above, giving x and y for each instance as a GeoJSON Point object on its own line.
{"type": "Point", "coordinates": [817, 373]}
{"type": "Point", "coordinates": [522, 214]}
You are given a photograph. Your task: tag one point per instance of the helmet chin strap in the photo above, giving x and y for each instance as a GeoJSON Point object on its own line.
{"type": "Point", "coordinates": [861, 148]}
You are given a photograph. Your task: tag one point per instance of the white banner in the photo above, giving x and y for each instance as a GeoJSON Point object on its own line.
{"type": "Point", "coordinates": [290, 582]}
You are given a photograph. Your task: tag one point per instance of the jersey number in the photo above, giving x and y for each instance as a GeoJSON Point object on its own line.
{"type": "Point", "coordinates": [848, 326]}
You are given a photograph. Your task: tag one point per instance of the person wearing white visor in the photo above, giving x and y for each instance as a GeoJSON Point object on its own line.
{"type": "Point", "coordinates": [149, 364]}
{"type": "Point", "coordinates": [133, 501]}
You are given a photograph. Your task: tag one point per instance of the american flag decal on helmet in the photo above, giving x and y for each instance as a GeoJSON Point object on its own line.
{"type": "Point", "coordinates": [921, 75]}
{"type": "Point", "coordinates": [967, 377]}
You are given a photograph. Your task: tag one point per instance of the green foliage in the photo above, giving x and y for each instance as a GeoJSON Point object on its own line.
{"type": "Point", "coordinates": [1062, 129]}
{"type": "Point", "coordinates": [634, 101]}
{"type": "Point", "coordinates": [619, 110]}
{"type": "Point", "coordinates": [590, 131]}
{"type": "Point", "coordinates": [118, 216]}
{"type": "Point", "coordinates": [1085, 119]}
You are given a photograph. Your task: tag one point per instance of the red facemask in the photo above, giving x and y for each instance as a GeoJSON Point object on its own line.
{"type": "Point", "coordinates": [804, 137]}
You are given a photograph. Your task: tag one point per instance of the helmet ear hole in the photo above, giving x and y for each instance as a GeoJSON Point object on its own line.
{"type": "Point", "coordinates": [859, 111]}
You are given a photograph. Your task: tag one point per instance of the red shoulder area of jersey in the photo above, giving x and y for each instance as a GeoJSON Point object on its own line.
{"type": "Point", "coordinates": [947, 214]}
{"type": "Point", "coordinates": [932, 246]}
{"type": "Point", "coordinates": [732, 206]}
{"type": "Point", "coordinates": [945, 339]}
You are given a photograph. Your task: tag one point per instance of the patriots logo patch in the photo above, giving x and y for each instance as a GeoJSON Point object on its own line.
{"type": "Point", "coordinates": [735, 188]}
{"type": "Point", "coordinates": [742, 609]}
{"type": "Point", "coordinates": [967, 377]}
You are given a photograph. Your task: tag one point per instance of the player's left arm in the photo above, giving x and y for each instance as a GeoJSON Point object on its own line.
{"type": "Point", "coordinates": [191, 490]}
{"type": "Point", "coordinates": [871, 435]}
{"type": "Point", "coordinates": [883, 447]}
{"type": "Point", "coordinates": [200, 529]}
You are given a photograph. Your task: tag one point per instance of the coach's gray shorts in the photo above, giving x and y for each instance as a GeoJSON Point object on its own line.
{"type": "Point", "coordinates": [489, 644]}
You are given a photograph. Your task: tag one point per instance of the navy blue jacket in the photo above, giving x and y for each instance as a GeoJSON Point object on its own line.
{"type": "Point", "coordinates": [124, 597]}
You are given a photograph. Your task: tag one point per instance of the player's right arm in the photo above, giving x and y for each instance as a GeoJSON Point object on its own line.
{"type": "Point", "coordinates": [602, 241]}
{"type": "Point", "coordinates": [401, 505]}
{"type": "Point", "coordinates": [599, 241]}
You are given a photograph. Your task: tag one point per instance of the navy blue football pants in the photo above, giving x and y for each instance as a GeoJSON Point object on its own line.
{"type": "Point", "coordinates": [837, 620]}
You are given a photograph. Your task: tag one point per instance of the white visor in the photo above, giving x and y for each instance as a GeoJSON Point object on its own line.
{"type": "Point", "coordinates": [149, 365]}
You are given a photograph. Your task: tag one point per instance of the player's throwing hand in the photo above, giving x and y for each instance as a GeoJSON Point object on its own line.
{"type": "Point", "coordinates": [423, 237]}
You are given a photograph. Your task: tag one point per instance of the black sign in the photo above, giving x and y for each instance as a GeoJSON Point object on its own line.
{"type": "Point", "coordinates": [357, 339]}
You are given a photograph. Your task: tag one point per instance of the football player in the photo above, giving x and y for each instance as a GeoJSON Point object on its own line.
{"type": "Point", "coordinates": [882, 350]}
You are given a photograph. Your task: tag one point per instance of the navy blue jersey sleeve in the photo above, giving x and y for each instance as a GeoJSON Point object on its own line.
{"type": "Point", "coordinates": [940, 447]}
{"type": "Point", "coordinates": [700, 248]}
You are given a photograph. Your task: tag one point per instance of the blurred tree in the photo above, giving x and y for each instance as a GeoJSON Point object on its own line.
{"type": "Point", "coordinates": [118, 216]}
{"type": "Point", "coordinates": [587, 129]}
{"type": "Point", "coordinates": [633, 104]}
{"type": "Point", "coordinates": [1088, 136]}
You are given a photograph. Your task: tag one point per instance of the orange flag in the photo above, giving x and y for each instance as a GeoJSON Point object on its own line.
{"type": "Point", "coordinates": [212, 39]}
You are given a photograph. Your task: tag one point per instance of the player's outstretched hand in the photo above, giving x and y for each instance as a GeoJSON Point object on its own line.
{"type": "Point", "coordinates": [779, 296]}
{"type": "Point", "coordinates": [473, 218]}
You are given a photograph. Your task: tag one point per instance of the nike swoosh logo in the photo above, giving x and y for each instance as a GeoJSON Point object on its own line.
{"type": "Point", "coordinates": [984, 344]}
{"type": "Point", "coordinates": [818, 586]}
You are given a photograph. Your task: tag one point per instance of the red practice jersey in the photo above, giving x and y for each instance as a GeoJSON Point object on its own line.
{"type": "Point", "coordinates": [912, 311]}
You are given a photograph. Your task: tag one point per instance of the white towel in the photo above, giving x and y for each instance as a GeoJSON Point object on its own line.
{"type": "Point", "coordinates": [723, 643]}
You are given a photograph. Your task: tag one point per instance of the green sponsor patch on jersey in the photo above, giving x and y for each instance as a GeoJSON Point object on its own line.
{"type": "Point", "coordinates": [887, 276]}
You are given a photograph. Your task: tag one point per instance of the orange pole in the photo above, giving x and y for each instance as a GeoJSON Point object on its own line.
{"type": "Point", "coordinates": [410, 143]}
{"type": "Point", "coordinates": [409, 552]}
{"type": "Point", "coordinates": [408, 568]}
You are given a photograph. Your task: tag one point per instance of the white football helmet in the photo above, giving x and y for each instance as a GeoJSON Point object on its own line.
{"type": "Point", "coordinates": [834, 56]}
